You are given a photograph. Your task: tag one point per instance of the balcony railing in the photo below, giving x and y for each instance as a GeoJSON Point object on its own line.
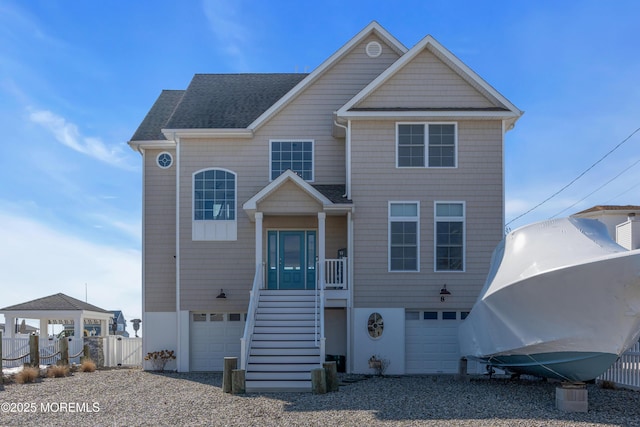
{"type": "Point", "coordinates": [335, 275]}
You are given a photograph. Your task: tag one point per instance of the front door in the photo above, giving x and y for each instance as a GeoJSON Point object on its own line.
{"type": "Point", "coordinates": [291, 259]}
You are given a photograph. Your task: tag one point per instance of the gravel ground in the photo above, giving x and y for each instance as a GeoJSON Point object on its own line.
{"type": "Point", "coordinates": [131, 397]}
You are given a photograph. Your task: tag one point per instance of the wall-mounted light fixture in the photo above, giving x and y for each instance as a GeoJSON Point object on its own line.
{"type": "Point", "coordinates": [444, 292]}
{"type": "Point", "coordinates": [221, 294]}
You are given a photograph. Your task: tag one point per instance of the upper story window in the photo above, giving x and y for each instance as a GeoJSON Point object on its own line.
{"type": "Point", "coordinates": [214, 205]}
{"type": "Point", "coordinates": [214, 196]}
{"type": "Point", "coordinates": [426, 145]}
{"type": "Point", "coordinates": [450, 236]}
{"type": "Point", "coordinates": [294, 155]}
{"type": "Point", "coordinates": [403, 236]}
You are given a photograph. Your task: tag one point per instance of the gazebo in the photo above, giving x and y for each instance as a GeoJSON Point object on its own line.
{"type": "Point", "coordinates": [58, 309]}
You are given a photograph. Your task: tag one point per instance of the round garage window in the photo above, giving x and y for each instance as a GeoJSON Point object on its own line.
{"type": "Point", "coordinates": [375, 325]}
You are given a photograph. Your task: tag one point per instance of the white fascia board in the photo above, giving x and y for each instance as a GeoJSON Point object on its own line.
{"type": "Point", "coordinates": [207, 133]}
{"type": "Point", "coordinates": [425, 114]}
{"type": "Point", "coordinates": [427, 42]}
{"type": "Point", "coordinates": [140, 146]}
{"type": "Point", "coordinates": [328, 63]}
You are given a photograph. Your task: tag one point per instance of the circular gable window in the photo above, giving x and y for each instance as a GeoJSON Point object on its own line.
{"type": "Point", "coordinates": [164, 160]}
{"type": "Point", "coordinates": [375, 325]}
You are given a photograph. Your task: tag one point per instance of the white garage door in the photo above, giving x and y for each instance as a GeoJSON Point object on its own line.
{"type": "Point", "coordinates": [214, 336]}
{"type": "Point", "coordinates": [431, 342]}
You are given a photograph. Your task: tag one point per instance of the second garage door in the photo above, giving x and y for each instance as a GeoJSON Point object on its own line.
{"type": "Point", "coordinates": [214, 336]}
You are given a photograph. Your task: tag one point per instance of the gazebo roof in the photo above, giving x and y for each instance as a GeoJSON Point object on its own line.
{"type": "Point", "coordinates": [57, 302]}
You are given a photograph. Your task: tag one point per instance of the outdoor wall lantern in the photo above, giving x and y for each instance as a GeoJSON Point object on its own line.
{"type": "Point", "coordinates": [444, 292]}
{"type": "Point", "coordinates": [221, 294]}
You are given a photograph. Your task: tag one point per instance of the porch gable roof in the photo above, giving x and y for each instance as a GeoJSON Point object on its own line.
{"type": "Point", "coordinates": [251, 205]}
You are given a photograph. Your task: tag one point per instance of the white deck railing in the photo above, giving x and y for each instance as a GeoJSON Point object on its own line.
{"type": "Point", "coordinates": [336, 273]}
{"type": "Point", "coordinates": [245, 341]}
{"type": "Point", "coordinates": [625, 372]}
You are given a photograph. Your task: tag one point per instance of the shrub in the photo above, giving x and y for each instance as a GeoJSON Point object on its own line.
{"type": "Point", "coordinates": [57, 371]}
{"type": "Point", "coordinates": [88, 365]}
{"type": "Point", "coordinates": [159, 359]}
{"type": "Point", "coordinates": [28, 374]}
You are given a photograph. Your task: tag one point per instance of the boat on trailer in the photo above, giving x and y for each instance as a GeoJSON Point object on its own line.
{"type": "Point", "coordinates": [561, 300]}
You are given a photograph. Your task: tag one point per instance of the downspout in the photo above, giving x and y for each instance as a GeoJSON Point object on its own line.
{"type": "Point", "coordinates": [504, 207]}
{"type": "Point", "coordinates": [179, 349]}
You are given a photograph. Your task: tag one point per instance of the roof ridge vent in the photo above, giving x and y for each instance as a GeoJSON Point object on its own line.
{"type": "Point", "coordinates": [373, 49]}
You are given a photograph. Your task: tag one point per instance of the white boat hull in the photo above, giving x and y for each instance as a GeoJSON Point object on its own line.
{"type": "Point", "coordinates": [568, 322]}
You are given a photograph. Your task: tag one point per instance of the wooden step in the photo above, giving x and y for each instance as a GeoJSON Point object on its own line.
{"type": "Point", "coordinates": [283, 344]}
{"type": "Point", "coordinates": [277, 386]}
{"type": "Point", "coordinates": [277, 323]}
{"type": "Point", "coordinates": [283, 337]}
{"type": "Point", "coordinates": [278, 376]}
{"type": "Point", "coordinates": [287, 361]}
{"type": "Point", "coordinates": [277, 351]}
{"type": "Point", "coordinates": [284, 329]}
{"type": "Point", "coordinates": [284, 310]}
{"type": "Point", "coordinates": [285, 316]}
{"type": "Point", "coordinates": [287, 304]}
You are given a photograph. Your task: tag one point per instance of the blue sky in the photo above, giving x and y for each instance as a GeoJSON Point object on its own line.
{"type": "Point", "coordinates": [77, 77]}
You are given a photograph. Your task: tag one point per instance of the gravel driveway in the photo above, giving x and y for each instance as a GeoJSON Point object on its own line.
{"type": "Point", "coordinates": [131, 397]}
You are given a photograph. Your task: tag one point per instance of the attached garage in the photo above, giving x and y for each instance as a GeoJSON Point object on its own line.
{"type": "Point", "coordinates": [431, 342]}
{"type": "Point", "coordinates": [214, 336]}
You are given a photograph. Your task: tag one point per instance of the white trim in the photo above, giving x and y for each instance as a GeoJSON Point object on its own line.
{"type": "Point", "coordinates": [415, 219]}
{"type": "Point", "coordinates": [428, 114]}
{"type": "Point", "coordinates": [170, 157]}
{"type": "Point", "coordinates": [428, 43]}
{"type": "Point", "coordinates": [179, 350]}
{"type": "Point", "coordinates": [372, 28]}
{"type": "Point", "coordinates": [437, 219]}
{"type": "Point", "coordinates": [426, 145]}
{"type": "Point", "coordinates": [140, 146]}
{"type": "Point", "coordinates": [313, 155]}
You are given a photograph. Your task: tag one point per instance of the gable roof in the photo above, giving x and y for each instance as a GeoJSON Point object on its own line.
{"type": "Point", "coordinates": [604, 208]}
{"type": "Point", "coordinates": [505, 108]}
{"type": "Point", "coordinates": [57, 302]}
{"type": "Point", "coordinates": [251, 205]}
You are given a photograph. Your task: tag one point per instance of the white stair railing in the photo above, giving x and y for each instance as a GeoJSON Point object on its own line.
{"type": "Point", "coordinates": [319, 311]}
{"type": "Point", "coordinates": [245, 341]}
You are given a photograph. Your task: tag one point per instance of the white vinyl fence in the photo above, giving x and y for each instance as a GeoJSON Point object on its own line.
{"type": "Point", "coordinates": [626, 371]}
{"type": "Point", "coordinates": [118, 351]}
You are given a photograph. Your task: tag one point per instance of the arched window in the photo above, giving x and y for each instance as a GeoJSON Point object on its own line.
{"type": "Point", "coordinates": [214, 205]}
{"type": "Point", "coordinates": [214, 195]}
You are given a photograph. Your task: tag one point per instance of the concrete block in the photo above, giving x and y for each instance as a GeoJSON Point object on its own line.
{"type": "Point", "coordinates": [572, 398]}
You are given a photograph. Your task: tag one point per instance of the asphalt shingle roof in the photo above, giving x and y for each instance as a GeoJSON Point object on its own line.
{"type": "Point", "coordinates": [157, 117]}
{"type": "Point", "coordinates": [58, 302]}
{"type": "Point", "coordinates": [335, 193]}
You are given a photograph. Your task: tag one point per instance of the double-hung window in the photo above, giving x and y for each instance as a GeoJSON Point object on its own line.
{"type": "Point", "coordinates": [430, 145]}
{"type": "Point", "coordinates": [295, 155]}
{"type": "Point", "coordinates": [404, 232]}
{"type": "Point", "coordinates": [450, 236]}
{"type": "Point", "coordinates": [214, 205]}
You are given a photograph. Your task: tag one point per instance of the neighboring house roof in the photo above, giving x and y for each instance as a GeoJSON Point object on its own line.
{"type": "Point", "coordinates": [602, 208]}
{"type": "Point", "coordinates": [57, 302]}
{"type": "Point", "coordinates": [151, 127]}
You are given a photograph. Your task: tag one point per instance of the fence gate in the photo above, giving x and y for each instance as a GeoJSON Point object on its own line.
{"type": "Point", "coordinates": [122, 351]}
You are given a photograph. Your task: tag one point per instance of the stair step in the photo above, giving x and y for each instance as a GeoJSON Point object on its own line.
{"type": "Point", "coordinates": [277, 386]}
{"type": "Point", "coordinates": [285, 310]}
{"type": "Point", "coordinates": [286, 292]}
{"type": "Point", "coordinates": [279, 297]}
{"type": "Point", "coordinates": [277, 351]}
{"type": "Point", "coordinates": [287, 304]}
{"type": "Point", "coordinates": [278, 376]}
{"type": "Point", "coordinates": [288, 361]}
{"type": "Point", "coordinates": [284, 345]}
{"type": "Point", "coordinates": [283, 337]}
{"type": "Point", "coordinates": [259, 330]}
{"type": "Point", "coordinates": [301, 368]}
{"type": "Point", "coordinates": [277, 323]}
{"type": "Point", "coordinates": [285, 316]}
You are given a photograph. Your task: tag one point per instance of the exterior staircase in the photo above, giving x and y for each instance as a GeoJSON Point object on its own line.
{"type": "Point", "coordinates": [283, 350]}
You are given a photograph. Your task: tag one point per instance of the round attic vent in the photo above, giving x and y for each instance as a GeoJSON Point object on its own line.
{"type": "Point", "coordinates": [373, 49]}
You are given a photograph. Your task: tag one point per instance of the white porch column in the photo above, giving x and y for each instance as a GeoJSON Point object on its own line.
{"type": "Point", "coordinates": [104, 328]}
{"type": "Point", "coordinates": [44, 328]}
{"type": "Point", "coordinates": [321, 246]}
{"type": "Point", "coordinates": [10, 326]}
{"type": "Point", "coordinates": [259, 216]}
{"type": "Point", "coordinates": [78, 326]}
